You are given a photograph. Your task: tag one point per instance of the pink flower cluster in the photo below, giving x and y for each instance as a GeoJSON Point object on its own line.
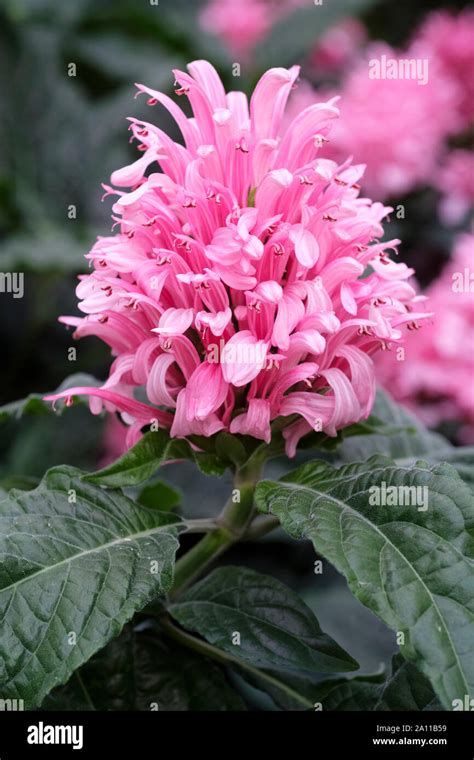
{"type": "Point", "coordinates": [397, 127]}
{"type": "Point", "coordinates": [436, 377]}
{"type": "Point", "coordinates": [237, 289]}
{"type": "Point", "coordinates": [448, 38]}
{"type": "Point", "coordinates": [455, 181]}
{"type": "Point", "coordinates": [338, 47]}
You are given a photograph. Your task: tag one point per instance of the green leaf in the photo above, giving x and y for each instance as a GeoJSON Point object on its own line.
{"type": "Point", "coordinates": [410, 442]}
{"type": "Point", "coordinates": [276, 627]}
{"type": "Point", "coordinates": [407, 690]}
{"type": "Point", "coordinates": [22, 482]}
{"type": "Point", "coordinates": [159, 495]}
{"type": "Point", "coordinates": [152, 450]}
{"type": "Point", "coordinates": [300, 691]}
{"type": "Point", "coordinates": [34, 404]}
{"type": "Point", "coordinates": [230, 449]}
{"type": "Point", "coordinates": [295, 35]}
{"type": "Point", "coordinates": [413, 568]}
{"type": "Point", "coordinates": [141, 671]}
{"type": "Point", "coordinates": [462, 459]}
{"type": "Point", "coordinates": [373, 427]}
{"type": "Point", "coordinates": [459, 457]}
{"type": "Point", "coordinates": [76, 563]}
{"type": "Point", "coordinates": [352, 695]}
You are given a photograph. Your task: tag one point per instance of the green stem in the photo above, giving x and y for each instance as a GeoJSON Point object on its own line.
{"type": "Point", "coordinates": [224, 658]}
{"type": "Point", "coordinates": [192, 564]}
{"type": "Point", "coordinates": [260, 526]}
{"type": "Point", "coordinates": [231, 526]}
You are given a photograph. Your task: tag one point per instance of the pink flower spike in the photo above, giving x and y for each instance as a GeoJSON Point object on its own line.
{"type": "Point", "coordinates": [234, 289]}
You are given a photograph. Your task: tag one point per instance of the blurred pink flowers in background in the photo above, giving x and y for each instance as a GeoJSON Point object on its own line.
{"type": "Point", "coordinates": [236, 290]}
{"type": "Point", "coordinates": [338, 46]}
{"type": "Point", "coordinates": [448, 39]}
{"type": "Point", "coordinates": [243, 24]}
{"type": "Point", "coordinates": [239, 25]}
{"type": "Point", "coordinates": [397, 127]}
{"type": "Point", "coordinates": [455, 181]}
{"type": "Point", "coordinates": [436, 378]}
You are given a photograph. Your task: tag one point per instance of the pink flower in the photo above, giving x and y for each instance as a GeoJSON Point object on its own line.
{"type": "Point", "coordinates": [396, 127]}
{"type": "Point", "coordinates": [448, 39]}
{"type": "Point", "coordinates": [233, 292]}
{"type": "Point", "coordinates": [435, 379]}
{"type": "Point", "coordinates": [455, 181]}
{"type": "Point", "coordinates": [339, 46]}
{"type": "Point", "coordinates": [241, 24]}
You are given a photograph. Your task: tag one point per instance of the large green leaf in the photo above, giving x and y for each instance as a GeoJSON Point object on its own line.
{"type": "Point", "coordinates": [140, 462]}
{"type": "Point", "coordinates": [459, 457]}
{"type": "Point", "coordinates": [462, 459]}
{"type": "Point", "coordinates": [141, 671]}
{"type": "Point", "coordinates": [272, 625]}
{"type": "Point", "coordinates": [76, 563]}
{"type": "Point", "coordinates": [413, 568]}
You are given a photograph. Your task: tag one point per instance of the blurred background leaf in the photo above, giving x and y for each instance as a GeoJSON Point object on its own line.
{"type": "Point", "coordinates": [293, 37]}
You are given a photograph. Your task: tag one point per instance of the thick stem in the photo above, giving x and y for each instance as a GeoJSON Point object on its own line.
{"type": "Point", "coordinates": [231, 526]}
{"type": "Point", "coordinates": [192, 564]}
{"type": "Point", "coordinates": [260, 526]}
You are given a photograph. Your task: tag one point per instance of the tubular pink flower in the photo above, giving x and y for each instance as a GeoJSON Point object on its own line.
{"type": "Point", "coordinates": [246, 281]}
